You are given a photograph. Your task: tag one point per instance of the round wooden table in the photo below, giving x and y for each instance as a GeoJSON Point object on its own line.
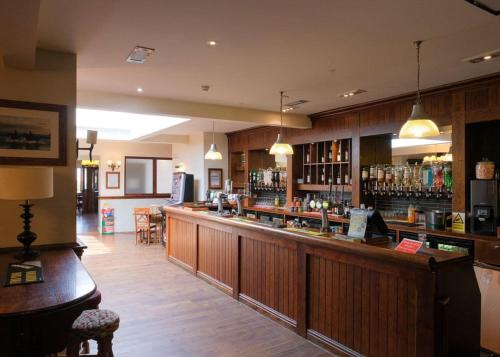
{"type": "Point", "coordinates": [35, 319]}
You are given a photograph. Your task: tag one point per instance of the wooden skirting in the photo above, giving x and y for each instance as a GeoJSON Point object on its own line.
{"type": "Point", "coordinates": [226, 289]}
{"type": "Point", "coordinates": [330, 344]}
{"type": "Point", "coordinates": [273, 314]}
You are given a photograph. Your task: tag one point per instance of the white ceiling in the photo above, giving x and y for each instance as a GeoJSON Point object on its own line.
{"type": "Point", "coordinates": [314, 49]}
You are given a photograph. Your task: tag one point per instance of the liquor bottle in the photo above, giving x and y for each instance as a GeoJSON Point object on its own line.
{"type": "Point", "coordinates": [339, 156]}
{"type": "Point", "coordinates": [365, 174]}
{"type": "Point", "coordinates": [335, 149]}
{"type": "Point", "coordinates": [448, 181]}
{"type": "Point", "coordinates": [346, 179]}
{"type": "Point", "coordinates": [346, 156]}
{"type": "Point", "coordinates": [323, 175]}
{"type": "Point", "coordinates": [308, 158]}
{"type": "Point", "coordinates": [339, 180]}
{"type": "Point", "coordinates": [330, 155]}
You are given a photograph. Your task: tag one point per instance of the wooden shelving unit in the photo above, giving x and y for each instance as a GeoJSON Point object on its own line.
{"type": "Point", "coordinates": [237, 167]}
{"type": "Point", "coordinates": [321, 161]}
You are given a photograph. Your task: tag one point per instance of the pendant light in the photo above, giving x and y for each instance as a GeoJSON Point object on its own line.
{"type": "Point", "coordinates": [280, 147]}
{"type": "Point", "coordinates": [418, 125]}
{"type": "Point", "coordinates": [213, 153]}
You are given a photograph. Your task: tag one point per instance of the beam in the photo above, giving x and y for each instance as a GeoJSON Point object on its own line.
{"type": "Point", "coordinates": [164, 106]}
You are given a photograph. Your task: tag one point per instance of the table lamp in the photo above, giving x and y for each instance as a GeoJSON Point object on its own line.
{"type": "Point", "coordinates": [25, 184]}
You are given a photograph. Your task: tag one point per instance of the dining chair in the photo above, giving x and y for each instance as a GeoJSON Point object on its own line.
{"type": "Point", "coordinates": [144, 227]}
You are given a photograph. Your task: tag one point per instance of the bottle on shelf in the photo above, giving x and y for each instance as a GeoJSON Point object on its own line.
{"type": "Point", "coordinates": [323, 175]}
{"type": "Point", "coordinates": [335, 149]}
{"type": "Point", "coordinates": [330, 155]}
{"type": "Point", "coordinates": [346, 156]}
{"type": "Point", "coordinates": [365, 173]}
{"type": "Point", "coordinates": [339, 179]}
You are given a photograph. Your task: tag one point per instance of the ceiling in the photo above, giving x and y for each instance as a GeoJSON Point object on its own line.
{"type": "Point", "coordinates": [314, 49]}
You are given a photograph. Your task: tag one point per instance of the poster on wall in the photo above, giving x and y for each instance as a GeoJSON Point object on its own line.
{"type": "Point", "coordinates": [214, 179]}
{"type": "Point", "coordinates": [32, 133]}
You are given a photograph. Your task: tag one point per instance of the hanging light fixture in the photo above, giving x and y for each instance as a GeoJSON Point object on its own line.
{"type": "Point", "coordinates": [418, 125]}
{"type": "Point", "coordinates": [213, 153]}
{"type": "Point", "coordinates": [280, 147]}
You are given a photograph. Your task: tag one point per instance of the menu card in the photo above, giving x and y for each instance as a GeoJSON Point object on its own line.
{"type": "Point", "coordinates": [409, 246]}
{"type": "Point", "coordinates": [24, 273]}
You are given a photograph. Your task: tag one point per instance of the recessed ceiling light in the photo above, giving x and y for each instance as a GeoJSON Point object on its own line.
{"type": "Point", "coordinates": [490, 55]}
{"type": "Point", "coordinates": [212, 43]}
{"type": "Point", "coordinates": [140, 90]}
{"type": "Point", "coordinates": [351, 93]}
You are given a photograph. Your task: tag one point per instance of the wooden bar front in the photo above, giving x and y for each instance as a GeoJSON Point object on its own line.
{"type": "Point", "coordinates": [354, 299]}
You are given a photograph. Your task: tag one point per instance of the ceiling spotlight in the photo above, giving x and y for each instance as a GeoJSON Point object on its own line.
{"type": "Point", "coordinates": [351, 93]}
{"type": "Point", "coordinates": [212, 43]}
{"type": "Point", "coordinates": [490, 55]}
{"type": "Point", "coordinates": [140, 90]}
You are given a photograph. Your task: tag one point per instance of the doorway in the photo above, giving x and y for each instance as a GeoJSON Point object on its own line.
{"type": "Point", "coordinates": [87, 192]}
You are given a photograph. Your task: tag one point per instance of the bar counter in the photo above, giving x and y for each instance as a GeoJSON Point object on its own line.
{"type": "Point", "coordinates": [353, 299]}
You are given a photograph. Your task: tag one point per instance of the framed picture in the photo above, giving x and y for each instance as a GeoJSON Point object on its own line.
{"type": "Point", "coordinates": [32, 133]}
{"type": "Point", "coordinates": [214, 179]}
{"type": "Point", "coordinates": [112, 180]}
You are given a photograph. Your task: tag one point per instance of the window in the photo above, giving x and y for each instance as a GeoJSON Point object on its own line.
{"type": "Point", "coordinates": [148, 176]}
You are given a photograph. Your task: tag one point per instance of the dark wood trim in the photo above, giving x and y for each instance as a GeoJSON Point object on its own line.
{"type": "Point", "coordinates": [328, 343]}
{"type": "Point", "coordinates": [223, 287]}
{"type": "Point", "coordinates": [273, 314]}
{"type": "Point", "coordinates": [108, 173]}
{"type": "Point", "coordinates": [155, 163]}
{"type": "Point", "coordinates": [133, 197]}
{"type": "Point", "coordinates": [409, 96]}
{"type": "Point", "coordinates": [63, 133]}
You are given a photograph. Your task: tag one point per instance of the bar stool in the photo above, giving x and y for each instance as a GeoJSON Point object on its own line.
{"type": "Point", "coordinates": [98, 325]}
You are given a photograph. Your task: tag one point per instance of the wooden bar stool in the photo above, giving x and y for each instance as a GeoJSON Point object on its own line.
{"type": "Point", "coordinates": [97, 325]}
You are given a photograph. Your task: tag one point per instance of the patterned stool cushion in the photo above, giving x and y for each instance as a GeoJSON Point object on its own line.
{"type": "Point", "coordinates": [93, 324]}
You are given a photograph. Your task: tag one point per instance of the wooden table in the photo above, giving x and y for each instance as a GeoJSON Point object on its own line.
{"type": "Point", "coordinates": [35, 319]}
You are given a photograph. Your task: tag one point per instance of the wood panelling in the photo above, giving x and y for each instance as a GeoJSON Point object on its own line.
{"type": "Point", "coordinates": [268, 273]}
{"type": "Point", "coordinates": [454, 104]}
{"type": "Point", "coordinates": [354, 299]}
{"type": "Point", "coordinates": [367, 311]}
{"type": "Point", "coordinates": [482, 103]}
{"type": "Point", "coordinates": [215, 254]}
{"type": "Point", "coordinates": [182, 250]}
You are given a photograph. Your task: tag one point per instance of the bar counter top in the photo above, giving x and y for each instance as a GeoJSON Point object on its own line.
{"type": "Point", "coordinates": [424, 258]}
{"type": "Point", "coordinates": [354, 299]}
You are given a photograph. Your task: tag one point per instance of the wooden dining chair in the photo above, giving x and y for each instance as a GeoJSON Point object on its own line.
{"type": "Point", "coordinates": [144, 227]}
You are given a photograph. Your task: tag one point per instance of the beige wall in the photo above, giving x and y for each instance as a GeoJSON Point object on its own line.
{"type": "Point", "coordinates": [53, 80]}
{"type": "Point", "coordinates": [117, 150]}
{"type": "Point", "coordinates": [192, 158]}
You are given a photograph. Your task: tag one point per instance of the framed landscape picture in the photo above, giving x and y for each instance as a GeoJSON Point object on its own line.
{"type": "Point", "coordinates": [214, 179]}
{"type": "Point", "coordinates": [32, 133]}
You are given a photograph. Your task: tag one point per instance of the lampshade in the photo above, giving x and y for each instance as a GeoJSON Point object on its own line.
{"type": "Point", "coordinates": [281, 148]}
{"type": "Point", "coordinates": [26, 183]}
{"type": "Point", "coordinates": [91, 137]}
{"type": "Point", "coordinates": [213, 153]}
{"type": "Point", "coordinates": [418, 125]}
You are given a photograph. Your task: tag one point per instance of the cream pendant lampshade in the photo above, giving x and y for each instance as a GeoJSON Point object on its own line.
{"type": "Point", "coordinates": [213, 153]}
{"type": "Point", "coordinates": [418, 125]}
{"type": "Point", "coordinates": [280, 147]}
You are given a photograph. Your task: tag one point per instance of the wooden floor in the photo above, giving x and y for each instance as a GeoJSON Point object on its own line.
{"type": "Point", "coordinates": [165, 311]}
